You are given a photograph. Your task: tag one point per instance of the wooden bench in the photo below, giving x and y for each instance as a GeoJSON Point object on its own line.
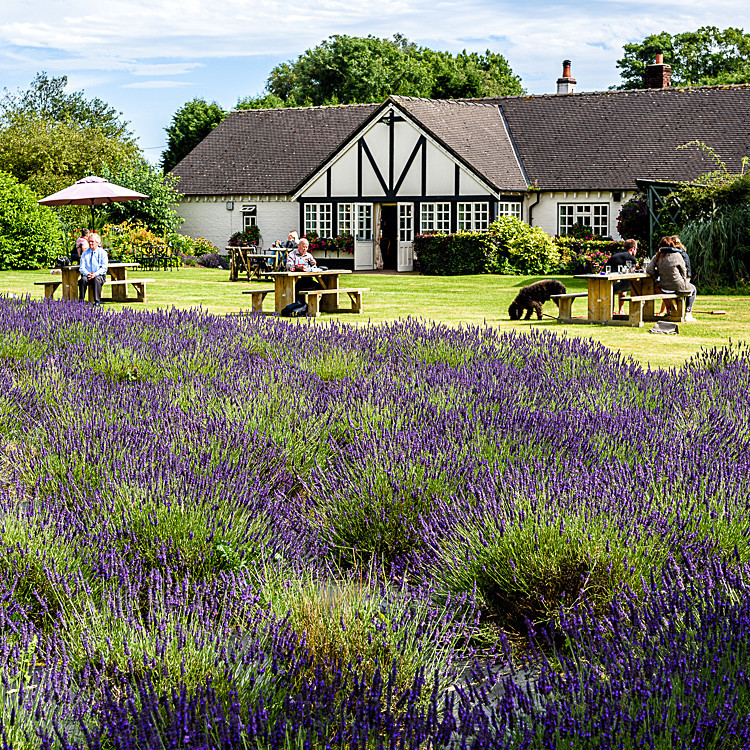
{"type": "Point", "coordinates": [138, 284]}
{"type": "Point", "coordinates": [314, 295]}
{"type": "Point", "coordinates": [565, 304]}
{"type": "Point", "coordinates": [258, 295]}
{"type": "Point", "coordinates": [50, 287]}
{"type": "Point", "coordinates": [635, 308]}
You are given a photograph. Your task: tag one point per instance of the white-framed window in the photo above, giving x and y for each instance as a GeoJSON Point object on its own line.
{"type": "Point", "coordinates": [249, 217]}
{"type": "Point", "coordinates": [509, 208]}
{"type": "Point", "coordinates": [473, 216]}
{"type": "Point", "coordinates": [318, 219]}
{"type": "Point", "coordinates": [345, 218]}
{"type": "Point", "coordinates": [364, 221]}
{"type": "Point", "coordinates": [435, 217]}
{"type": "Point", "coordinates": [594, 215]}
{"type": "Point", "coordinates": [405, 222]}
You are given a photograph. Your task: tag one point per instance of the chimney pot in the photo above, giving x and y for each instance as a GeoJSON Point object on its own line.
{"type": "Point", "coordinates": [566, 84]}
{"type": "Point", "coordinates": [658, 75]}
{"type": "Point", "coordinates": [659, 58]}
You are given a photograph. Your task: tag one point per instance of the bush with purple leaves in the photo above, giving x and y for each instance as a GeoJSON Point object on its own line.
{"type": "Point", "coordinates": [456, 538]}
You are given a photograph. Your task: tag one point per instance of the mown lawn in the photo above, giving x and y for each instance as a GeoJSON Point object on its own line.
{"type": "Point", "coordinates": [473, 300]}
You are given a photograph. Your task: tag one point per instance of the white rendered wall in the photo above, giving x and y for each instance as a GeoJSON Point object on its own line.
{"type": "Point", "coordinates": [207, 216]}
{"type": "Point", "coordinates": [545, 213]}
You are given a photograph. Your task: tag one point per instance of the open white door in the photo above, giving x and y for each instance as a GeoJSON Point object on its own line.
{"type": "Point", "coordinates": [363, 238]}
{"type": "Point", "coordinates": [405, 237]}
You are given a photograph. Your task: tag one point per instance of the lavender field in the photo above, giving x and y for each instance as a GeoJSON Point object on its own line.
{"type": "Point", "coordinates": [237, 532]}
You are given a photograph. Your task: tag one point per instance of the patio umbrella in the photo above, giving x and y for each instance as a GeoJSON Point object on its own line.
{"type": "Point", "coordinates": [91, 191]}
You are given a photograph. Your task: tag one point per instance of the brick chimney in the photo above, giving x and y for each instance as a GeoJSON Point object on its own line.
{"type": "Point", "coordinates": [566, 84]}
{"type": "Point", "coordinates": [658, 75]}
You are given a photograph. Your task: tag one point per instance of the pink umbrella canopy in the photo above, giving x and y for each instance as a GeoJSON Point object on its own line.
{"type": "Point", "coordinates": [91, 191]}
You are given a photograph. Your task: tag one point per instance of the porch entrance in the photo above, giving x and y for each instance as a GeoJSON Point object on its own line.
{"type": "Point", "coordinates": [387, 235]}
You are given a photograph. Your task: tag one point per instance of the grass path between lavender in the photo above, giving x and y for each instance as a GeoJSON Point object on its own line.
{"type": "Point", "coordinates": [473, 300]}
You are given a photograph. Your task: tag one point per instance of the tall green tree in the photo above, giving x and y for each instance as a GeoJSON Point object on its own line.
{"type": "Point", "coordinates": [349, 70]}
{"type": "Point", "coordinates": [46, 99]}
{"type": "Point", "coordinates": [190, 125]}
{"type": "Point", "coordinates": [708, 56]}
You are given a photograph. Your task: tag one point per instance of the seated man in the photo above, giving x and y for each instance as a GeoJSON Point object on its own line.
{"type": "Point", "coordinates": [93, 270]}
{"type": "Point", "coordinates": [301, 259]}
{"type": "Point", "coordinates": [622, 258]}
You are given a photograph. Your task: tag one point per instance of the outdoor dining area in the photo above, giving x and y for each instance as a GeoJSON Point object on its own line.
{"type": "Point", "coordinates": [600, 298]}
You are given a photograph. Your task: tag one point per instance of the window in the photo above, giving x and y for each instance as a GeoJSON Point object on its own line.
{"type": "Point", "coordinates": [318, 219]}
{"type": "Point", "coordinates": [249, 217]}
{"type": "Point", "coordinates": [509, 208]}
{"type": "Point", "coordinates": [364, 221]}
{"type": "Point", "coordinates": [594, 215]}
{"type": "Point", "coordinates": [345, 218]}
{"type": "Point", "coordinates": [473, 216]}
{"type": "Point", "coordinates": [435, 217]}
{"type": "Point", "coordinates": [405, 222]}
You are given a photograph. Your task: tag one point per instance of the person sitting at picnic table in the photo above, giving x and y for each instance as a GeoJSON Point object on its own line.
{"type": "Point", "coordinates": [81, 244]}
{"type": "Point", "coordinates": [674, 241]}
{"type": "Point", "coordinates": [292, 240]}
{"type": "Point", "coordinates": [622, 258]}
{"type": "Point", "coordinates": [301, 259]}
{"type": "Point", "coordinates": [671, 271]}
{"type": "Point", "coordinates": [93, 270]}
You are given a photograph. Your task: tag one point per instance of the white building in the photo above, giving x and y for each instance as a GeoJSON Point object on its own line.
{"type": "Point", "coordinates": [385, 172]}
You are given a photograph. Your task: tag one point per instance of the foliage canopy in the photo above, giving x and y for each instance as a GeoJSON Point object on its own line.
{"type": "Point", "coordinates": [350, 70]}
{"type": "Point", "coordinates": [708, 56]}
{"type": "Point", "coordinates": [190, 125]}
{"type": "Point", "coordinates": [30, 234]}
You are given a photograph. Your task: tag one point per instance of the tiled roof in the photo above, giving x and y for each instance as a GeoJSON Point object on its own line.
{"type": "Point", "coordinates": [609, 139]}
{"type": "Point", "coordinates": [267, 151]}
{"type": "Point", "coordinates": [475, 131]}
{"type": "Point", "coordinates": [588, 141]}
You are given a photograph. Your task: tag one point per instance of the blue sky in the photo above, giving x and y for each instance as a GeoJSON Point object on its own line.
{"type": "Point", "coordinates": [148, 57]}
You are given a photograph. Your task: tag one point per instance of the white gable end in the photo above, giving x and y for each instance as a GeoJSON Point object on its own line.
{"type": "Point", "coordinates": [392, 159]}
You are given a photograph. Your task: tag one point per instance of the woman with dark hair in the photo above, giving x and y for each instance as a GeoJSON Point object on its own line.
{"type": "Point", "coordinates": [82, 244]}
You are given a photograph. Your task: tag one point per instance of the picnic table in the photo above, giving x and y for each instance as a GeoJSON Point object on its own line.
{"type": "Point", "coordinates": [601, 298]}
{"type": "Point", "coordinates": [325, 299]}
{"type": "Point", "coordinates": [254, 262]}
{"type": "Point", "coordinates": [118, 282]}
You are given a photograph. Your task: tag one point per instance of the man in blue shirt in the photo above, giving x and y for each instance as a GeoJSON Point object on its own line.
{"type": "Point", "coordinates": [93, 270]}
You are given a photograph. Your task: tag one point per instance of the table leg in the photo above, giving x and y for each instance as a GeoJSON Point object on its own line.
{"type": "Point", "coordinates": [70, 283]}
{"type": "Point", "coordinates": [283, 291]}
{"type": "Point", "coordinates": [119, 291]}
{"type": "Point", "coordinates": [330, 302]}
{"type": "Point", "coordinates": [600, 300]}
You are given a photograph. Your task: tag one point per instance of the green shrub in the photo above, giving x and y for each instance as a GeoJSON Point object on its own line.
{"type": "Point", "coordinates": [457, 254]}
{"type": "Point", "coordinates": [30, 234]}
{"type": "Point", "coordinates": [514, 246]}
{"type": "Point", "coordinates": [584, 256]}
{"type": "Point", "coordinates": [202, 246]}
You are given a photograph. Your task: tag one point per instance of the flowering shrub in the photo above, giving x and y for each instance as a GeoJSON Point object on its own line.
{"type": "Point", "coordinates": [175, 571]}
{"type": "Point", "coordinates": [213, 260]}
{"type": "Point", "coordinates": [251, 236]}
{"type": "Point", "coordinates": [129, 240]}
{"type": "Point", "coordinates": [633, 220]}
{"type": "Point", "coordinates": [343, 243]}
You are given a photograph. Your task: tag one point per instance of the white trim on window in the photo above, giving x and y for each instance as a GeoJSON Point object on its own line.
{"type": "Point", "coordinates": [345, 218]}
{"type": "Point", "coordinates": [473, 216]}
{"type": "Point", "coordinates": [318, 219]}
{"type": "Point", "coordinates": [509, 208]}
{"type": "Point", "coordinates": [594, 215]}
{"type": "Point", "coordinates": [435, 217]}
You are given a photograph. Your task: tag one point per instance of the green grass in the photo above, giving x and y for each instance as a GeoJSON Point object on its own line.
{"type": "Point", "coordinates": [472, 300]}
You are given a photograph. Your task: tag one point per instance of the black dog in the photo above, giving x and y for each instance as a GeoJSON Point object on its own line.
{"type": "Point", "coordinates": [532, 297]}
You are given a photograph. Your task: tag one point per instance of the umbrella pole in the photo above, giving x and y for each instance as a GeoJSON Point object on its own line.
{"type": "Point", "coordinates": [93, 225]}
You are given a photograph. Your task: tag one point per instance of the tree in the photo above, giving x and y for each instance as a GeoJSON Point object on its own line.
{"type": "Point", "coordinates": [707, 56]}
{"type": "Point", "coordinates": [349, 70]}
{"type": "Point", "coordinates": [46, 99]}
{"type": "Point", "coordinates": [190, 125]}
{"type": "Point", "coordinates": [158, 211]}
{"type": "Point", "coordinates": [30, 234]}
